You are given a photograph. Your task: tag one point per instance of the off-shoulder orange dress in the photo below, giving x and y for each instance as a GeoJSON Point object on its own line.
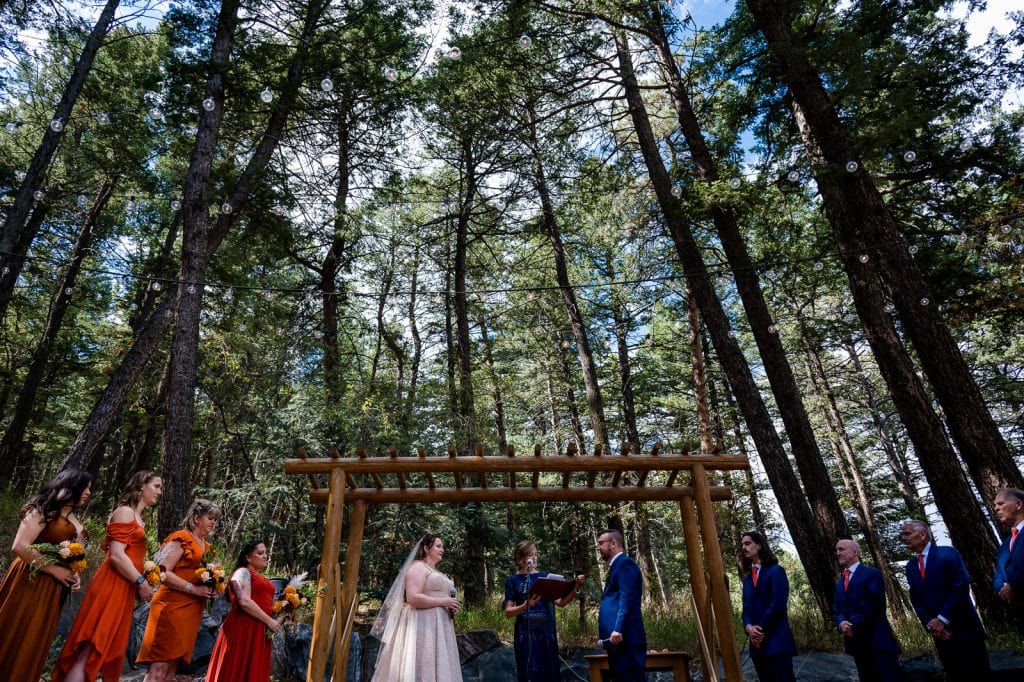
{"type": "Point", "coordinates": [105, 618]}
{"type": "Point", "coordinates": [29, 610]}
{"type": "Point", "coordinates": [174, 616]}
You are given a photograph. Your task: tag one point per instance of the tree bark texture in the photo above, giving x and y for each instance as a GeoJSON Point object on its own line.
{"type": "Point", "coordinates": [807, 536]}
{"type": "Point", "coordinates": [863, 226]}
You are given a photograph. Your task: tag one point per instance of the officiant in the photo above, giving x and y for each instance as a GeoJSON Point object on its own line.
{"type": "Point", "coordinates": [530, 603]}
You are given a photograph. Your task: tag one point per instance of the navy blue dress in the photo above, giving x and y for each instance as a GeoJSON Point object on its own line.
{"type": "Point", "coordinates": [536, 640]}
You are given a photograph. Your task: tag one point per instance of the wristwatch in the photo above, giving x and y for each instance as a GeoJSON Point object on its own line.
{"type": "Point", "coordinates": [141, 579]}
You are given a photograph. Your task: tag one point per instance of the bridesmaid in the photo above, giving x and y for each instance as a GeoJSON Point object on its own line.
{"type": "Point", "coordinates": [178, 604]}
{"type": "Point", "coordinates": [30, 604]}
{"type": "Point", "coordinates": [243, 649]}
{"type": "Point", "coordinates": [99, 638]}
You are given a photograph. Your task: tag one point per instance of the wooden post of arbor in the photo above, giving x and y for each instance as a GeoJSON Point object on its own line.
{"type": "Point", "coordinates": [721, 606]}
{"type": "Point", "coordinates": [351, 594]}
{"type": "Point", "coordinates": [698, 586]}
{"type": "Point", "coordinates": [327, 582]}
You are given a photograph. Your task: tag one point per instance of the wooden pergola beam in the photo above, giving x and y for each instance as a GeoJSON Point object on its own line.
{"type": "Point", "coordinates": [550, 494]}
{"type": "Point", "coordinates": [498, 464]}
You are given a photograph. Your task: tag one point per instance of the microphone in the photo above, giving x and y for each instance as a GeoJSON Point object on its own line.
{"type": "Point", "coordinates": [529, 563]}
{"type": "Point", "coordinates": [452, 593]}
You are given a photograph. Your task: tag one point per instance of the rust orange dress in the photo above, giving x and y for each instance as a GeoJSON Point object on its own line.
{"type": "Point", "coordinates": [105, 618]}
{"type": "Point", "coordinates": [174, 616]}
{"type": "Point", "coordinates": [29, 610]}
{"type": "Point", "coordinates": [242, 652]}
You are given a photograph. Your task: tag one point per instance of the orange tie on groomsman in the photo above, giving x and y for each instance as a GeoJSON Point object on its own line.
{"type": "Point", "coordinates": [846, 579]}
{"type": "Point", "coordinates": [754, 576]}
{"type": "Point", "coordinates": [1013, 537]}
{"type": "Point", "coordinates": [920, 565]}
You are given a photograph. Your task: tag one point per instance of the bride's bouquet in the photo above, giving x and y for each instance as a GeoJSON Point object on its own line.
{"type": "Point", "coordinates": [70, 554]}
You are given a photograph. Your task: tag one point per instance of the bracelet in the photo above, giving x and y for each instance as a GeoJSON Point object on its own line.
{"type": "Point", "coordinates": [188, 588]}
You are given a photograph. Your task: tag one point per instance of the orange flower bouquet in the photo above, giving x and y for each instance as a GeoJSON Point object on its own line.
{"type": "Point", "coordinates": [153, 573]}
{"type": "Point", "coordinates": [293, 597]}
{"type": "Point", "coordinates": [212, 576]}
{"type": "Point", "coordinates": [70, 554]}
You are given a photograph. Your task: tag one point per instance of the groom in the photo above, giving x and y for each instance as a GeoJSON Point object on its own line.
{"type": "Point", "coordinates": [620, 624]}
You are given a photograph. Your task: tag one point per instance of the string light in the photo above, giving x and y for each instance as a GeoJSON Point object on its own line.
{"type": "Point", "coordinates": [102, 118]}
{"type": "Point", "coordinates": [38, 195]}
{"type": "Point", "coordinates": [793, 176]}
{"type": "Point", "coordinates": [912, 249]}
{"type": "Point", "coordinates": [677, 190]}
{"type": "Point", "coordinates": [11, 127]}
{"type": "Point", "coordinates": [909, 156]}
{"type": "Point", "coordinates": [209, 104]}
{"type": "Point", "coordinates": [852, 166]}
{"type": "Point", "coordinates": [327, 84]}
{"type": "Point", "coordinates": [525, 41]}
{"type": "Point", "coordinates": [267, 95]}
{"type": "Point", "coordinates": [176, 205]}
{"type": "Point", "coordinates": [391, 73]}
{"type": "Point", "coordinates": [56, 125]}
{"type": "Point", "coordinates": [454, 52]}
{"type": "Point", "coordinates": [864, 258]}
{"type": "Point", "coordinates": [156, 114]}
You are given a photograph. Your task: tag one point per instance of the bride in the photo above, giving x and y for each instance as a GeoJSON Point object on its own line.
{"type": "Point", "coordinates": [415, 622]}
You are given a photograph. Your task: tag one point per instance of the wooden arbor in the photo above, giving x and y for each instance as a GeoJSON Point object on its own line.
{"type": "Point", "coordinates": [584, 478]}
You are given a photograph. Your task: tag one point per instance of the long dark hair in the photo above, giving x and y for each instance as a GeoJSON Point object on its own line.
{"type": "Point", "coordinates": [242, 562]}
{"type": "Point", "coordinates": [426, 542]}
{"type": "Point", "coordinates": [65, 488]}
{"type": "Point", "coordinates": [765, 555]}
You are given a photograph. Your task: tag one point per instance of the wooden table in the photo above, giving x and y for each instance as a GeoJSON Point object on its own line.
{"type": "Point", "coordinates": [676, 661]}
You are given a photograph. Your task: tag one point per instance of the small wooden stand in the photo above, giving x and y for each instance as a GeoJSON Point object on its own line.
{"type": "Point", "coordinates": [675, 661]}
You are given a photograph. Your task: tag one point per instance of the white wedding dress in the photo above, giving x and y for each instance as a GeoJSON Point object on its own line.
{"type": "Point", "coordinates": [418, 645]}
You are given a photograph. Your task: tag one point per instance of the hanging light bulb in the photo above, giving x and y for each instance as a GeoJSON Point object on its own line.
{"type": "Point", "coordinates": [56, 125]}
{"type": "Point", "coordinates": [732, 334]}
{"type": "Point", "coordinates": [226, 208]}
{"type": "Point", "coordinates": [21, 175]}
{"type": "Point", "coordinates": [966, 145]}
{"type": "Point", "coordinates": [155, 286]}
{"type": "Point", "coordinates": [793, 176]}
{"type": "Point", "coordinates": [327, 84]}
{"type": "Point", "coordinates": [454, 52]}
{"type": "Point", "coordinates": [191, 288]}
{"type": "Point", "coordinates": [168, 312]}
{"type": "Point", "coordinates": [819, 266]}
{"type": "Point", "coordinates": [852, 166]}
{"type": "Point", "coordinates": [996, 281]}
{"type": "Point", "coordinates": [735, 183]}
{"type": "Point", "coordinates": [864, 258]}
{"type": "Point", "coordinates": [910, 156]}
{"type": "Point", "coordinates": [11, 127]}
{"type": "Point", "coordinates": [960, 292]}
{"type": "Point", "coordinates": [38, 195]}
{"type": "Point", "coordinates": [82, 200]}
{"type": "Point", "coordinates": [242, 327]}
{"type": "Point", "coordinates": [209, 104]}
{"type": "Point", "coordinates": [278, 210]}
{"type": "Point", "coordinates": [772, 329]}
{"type": "Point", "coordinates": [391, 73]}
{"type": "Point", "coordinates": [267, 96]}
{"type": "Point", "coordinates": [156, 114]}
{"type": "Point", "coordinates": [68, 291]}
{"type": "Point", "coordinates": [103, 118]}
{"type": "Point", "coordinates": [176, 205]}
{"type": "Point", "coordinates": [924, 300]}
{"type": "Point", "coordinates": [677, 190]}
{"type": "Point", "coordinates": [267, 296]}
{"type": "Point", "coordinates": [525, 41]}
{"type": "Point", "coordinates": [912, 249]}
{"type": "Point", "coordinates": [889, 308]}
{"type": "Point", "coordinates": [962, 237]}
{"type": "Point", "coordinates": [1005, 229]}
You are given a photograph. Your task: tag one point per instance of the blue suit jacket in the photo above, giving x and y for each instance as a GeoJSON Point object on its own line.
{"type": "Point", "coordinates": [863, 604]}
{"type": "Point", "coordinates": [944, 591]}
{"type": "Point", "coordinates": [767, 607]}
{"type": "Point", "coordinates": [620, 605]}
{"type": "Point", "coordinates": [1010, 566]}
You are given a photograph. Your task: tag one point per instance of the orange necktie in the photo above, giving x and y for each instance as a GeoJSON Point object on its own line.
{"type": "Point", "coordinates": [920, 565]}
{"type": "Point", "coordinates": [754, 576]}
{"type": "Point", "coordinates": [1013, 538]}
{"type": "Point", "coordinates": [846, 579]}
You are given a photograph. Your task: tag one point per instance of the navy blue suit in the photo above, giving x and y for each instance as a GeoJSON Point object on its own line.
{"type": "Point", "coordinates": [620, 612]}
{"type": "Point", "coordinates": [945, 591]}
{"type": "Point", "coordinates": [873, 646]}
{"type": "Point", "coordinates": [766, 606]}
{"type": "Point", "coordinates": [1010, 568]}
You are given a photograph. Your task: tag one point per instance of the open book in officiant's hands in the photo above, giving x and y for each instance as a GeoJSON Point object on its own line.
{"type": "Point", "coordinates": [551, 587]}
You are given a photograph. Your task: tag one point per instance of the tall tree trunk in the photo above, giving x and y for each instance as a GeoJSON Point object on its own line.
{"type": "Point", "coordinates": [10, 445]}
{"type": "Point", "coordinates": [854, 481]}
{"type": "Point", "coordinates": [499, 406]}
{"type": "Point", "coordinates": [862, 224]}
{"type": "Point", "coordinates": [623, 325]}
{"type": "Point", "coordinates": [570, 399]}
{"type": "Point", "coordinates": [595, 403]}
{"type": "Point", "coordinates": [809, 461]}
{"type": "Point", "coordinates": [897, 463]}
{"type": "Point", "coordinates": [13, 231]}
{"type": "Point", "coordinates": [417, 349]}
{"type": "Point", "coordinates": [552, 399]}
{"type": "Point", "coordinates": [968, 527]}
{"type": "Point", "coordinates": [807, 536]}
{"type": "Point", "coordinates": [700, 384]}
{"type": "Point", "coordinates": [14, 262]}
{"type": "Point", "coordinates": [330, 297]}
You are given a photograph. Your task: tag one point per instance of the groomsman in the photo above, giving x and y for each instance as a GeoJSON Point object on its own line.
{"type": "Point", "coordinates": [859, 612]}
{"type": "Point", "coordinates": [940, 593]}
{"type": "Point", "coordinates": [1009, 580]}
{"type": "Point", "coordinates": [619, 621]}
